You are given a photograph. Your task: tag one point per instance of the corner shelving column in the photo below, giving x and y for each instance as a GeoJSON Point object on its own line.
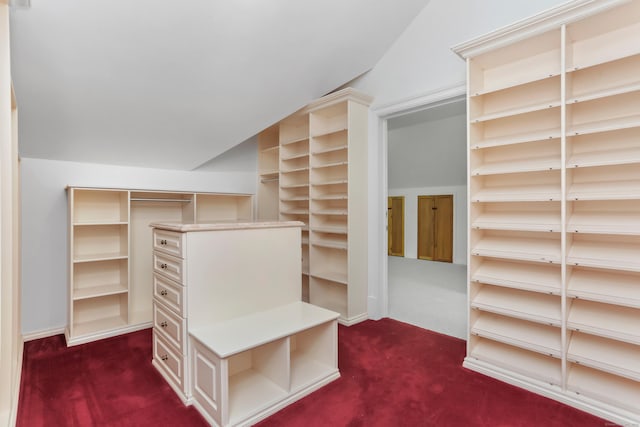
{"type": "Point", "coordinates": [99, 262]}
{"type": "Point", "coordinates": [294, 182]}
{"type": "Point", "coordinates": [554, 205]}
{"type": "Point", "coordinates": [603, 207]}
{"type": "Point", "coordinates": [338, 206]}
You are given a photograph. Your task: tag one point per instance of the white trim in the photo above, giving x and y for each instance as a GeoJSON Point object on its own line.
{"type": "Point", "coordinates": [536, 24]}
{"type": "Point", "coordinates": [42, 334]}
{"type": "Point", "coordinates": [15, 393]}
{"type": "Point", "coordinates": [379, 278]}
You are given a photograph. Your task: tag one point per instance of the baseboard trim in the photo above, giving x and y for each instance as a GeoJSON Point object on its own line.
{"type": "Point", "coordinates": [617, 415]}
{"type": "Point", "coordinates": [17, 380]}
{"type": "Point", "coordinates": [42, 334]}
{"type": "Point", "coordinates": [353, 320]}
{"type": "Point", "coordinates": [83, 339]}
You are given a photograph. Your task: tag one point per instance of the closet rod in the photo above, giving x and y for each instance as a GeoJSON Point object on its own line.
{"type": "Point", "coordinates": [150, 199]}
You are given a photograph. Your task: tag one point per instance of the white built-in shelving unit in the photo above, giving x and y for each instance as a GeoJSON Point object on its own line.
{"type": "Point", "coordinates": [110, 265]}
{"type": "Point", "coordinates": [322, 182]}
{"type": "Point", "coordinates": [554, 205]}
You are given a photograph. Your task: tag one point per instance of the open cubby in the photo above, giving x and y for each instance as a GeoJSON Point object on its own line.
{"type": "Point", "coordinates": [525, 216]}
{"type": "Point", "coordinates": [525, 61]}
{"type": "Point", "coordinates": [97, 207]}
{"type": "Point", "coordinates": [604, 114]}
{"type": "Point", "coordinates": [100, 242]}
{"type": "Point", "coordinates": [605, 354]}
{"type": "Point", "coordinates": [604, 251]}
{"type": "Point", "coordinates": [223, 207]}
{"type": "Point", "coordinates": [526, 98]}
{"type": "Point", "coordinates": [518, 245]}
{"type": "Point", "coordinates": [517, 275]}
{"type": "Point", "coordinates": [517, 187]}
{"type": "Point", "coordinates": [331, 119]}
{"type": "Point", "coordinates": [606, 320]}
{"type": "Point", "coordinates": [603, 37]}
{"type": "Point", "coordinates": [530, 127]}
{"type": "Point", "coordinates": [611, 78]}
{"type": "Point", "coordinates": [92, 279]}
{"type": "Point", "coordinates": [604, 182]}
{"type": "Point", "coordinates": [312, 354]}
{"type": "Point", "coordinates": [531, 336]}
{"type": "Point", "coordinates": [102, 313]}
{"type": "Point", "coordinates": [608, 286]}
{"type": "Point", "coordinates": [294, 129]}
{"type": "Point", "coordinates": [604, 148]}
{"type": "Point", "coordinates": [532, 306]}
{"type": "Point", "coordinates": [525, 157]}
{"type": "Point", "coordinates": [604, 217]}
{"type": "Point", "coordinates": [604, 387]}
{"type": "Point", "coordinates": [528, 363]}
{"type": "Point", "coordinates": [331, 144]}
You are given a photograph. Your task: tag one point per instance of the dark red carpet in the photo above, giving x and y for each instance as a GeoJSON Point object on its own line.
{"type": "Point", "coordinates": [393, 374]}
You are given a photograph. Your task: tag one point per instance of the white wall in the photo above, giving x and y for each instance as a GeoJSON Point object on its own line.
{"type": "Point", "coordinates": [411, 218]}
{"type": "Point", "coordinates": [421, 60]}
{"type": "Point", "coordinates": [44, 222]}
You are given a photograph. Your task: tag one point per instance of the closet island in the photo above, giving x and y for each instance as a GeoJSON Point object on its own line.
{"type": "Point", "coordinates": [230, 333]}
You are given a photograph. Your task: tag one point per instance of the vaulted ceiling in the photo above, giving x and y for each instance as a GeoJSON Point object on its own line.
{"type": "Point", "coordinates": [173, 84]}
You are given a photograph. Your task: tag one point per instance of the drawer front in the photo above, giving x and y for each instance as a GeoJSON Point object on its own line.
{"type": "Point", "coordinates": [169, 242]}
{"type": "Point", "coordinates": [169, 293]}
{"type": "Point", "coordinates": [170, 326]}
{"type": "Point", "coordinates": [169, 266]}
{"type": "Point", "coordinates": [172, 364]}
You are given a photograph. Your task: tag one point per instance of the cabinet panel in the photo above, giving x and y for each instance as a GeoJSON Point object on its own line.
{"type": "Point", "coordinates": [168, 242]}
{"type": "Point", "coordinates": [170, 326]}
{"type": "Point", "coordinates": [170, 294]}
{"type": "Point", "coordinates": [171, 362]}
{"type": "Point", "coordinates": [169, 266]}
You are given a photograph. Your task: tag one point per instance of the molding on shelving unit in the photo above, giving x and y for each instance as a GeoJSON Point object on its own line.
{"type": "Point", "coordinates": [534, 25]}
{"type": "Point", "coordinates": [340, 96]}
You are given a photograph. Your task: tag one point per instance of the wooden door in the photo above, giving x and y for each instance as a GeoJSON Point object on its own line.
{"type": "Point", "coordinates": [435, 228]}
{"type": "Point", "coordinates": [395, 225]}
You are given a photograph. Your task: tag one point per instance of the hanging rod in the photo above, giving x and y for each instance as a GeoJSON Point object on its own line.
{"type": "Point", "coordinates": [150, 199]}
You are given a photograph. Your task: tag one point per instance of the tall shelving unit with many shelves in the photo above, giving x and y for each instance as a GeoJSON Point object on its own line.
{"type": "Point", "coordinates": [554, 211]}
{"type": "Point", "coordinates": [110, 274]}
{"type": "Point", "coordinates": [323, 183]}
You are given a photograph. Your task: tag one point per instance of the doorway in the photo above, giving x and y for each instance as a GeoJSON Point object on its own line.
{"type": "Point", "coordinates": [395, 225]}
{"type": "Point", "coordinates": [435, 228]}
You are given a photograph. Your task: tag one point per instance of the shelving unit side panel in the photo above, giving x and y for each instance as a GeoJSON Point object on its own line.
{"type": "Point", "coordinates": [358, 190]}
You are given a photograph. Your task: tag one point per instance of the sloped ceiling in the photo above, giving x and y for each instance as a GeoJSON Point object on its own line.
{"type": "Point", "coordinates": [172, 84]}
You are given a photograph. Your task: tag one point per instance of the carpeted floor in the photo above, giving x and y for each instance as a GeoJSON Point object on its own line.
{"type": "Point", "coordinates": [393, 374]}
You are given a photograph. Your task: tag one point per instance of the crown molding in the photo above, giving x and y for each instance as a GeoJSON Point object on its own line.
{"type": "Point", "coordinates": [536, 24]}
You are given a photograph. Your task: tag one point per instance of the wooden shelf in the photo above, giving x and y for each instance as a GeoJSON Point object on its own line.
{"type": "Point", "coordinates": [99, 326]}
{"type": "Point", "coordinates": [604, 222]}
{"type": "Point", "coordinates": [605, 286]}
{"type": "Point", "coordinates": [99, 257]}
{"type": "Point", "coordinates": [534, 365]}
{"type": "Point", "coordinates": [294, 156]}
{"type": "Point", "coordinates": [517, 220]}
{"type": "Point", "coordinates": [295, 140]}
{"type": "Point", "coordinates": [603, 93]}
{"type": "Point", "coordinates": [249, 390]}
{"type": "Point", "coordinates": [295, 199]}
{"type": "Point", "coordinates": [331, 229]}
{"type": "Point", "coordinates": [620, 323]}
{"type": "Point", "coordinates": [519, 193]}
{"type": "Point", "coordinates": [535, 307]}
{"type": "Point", "coordinates": [330, 149]}
{"type": "Point", "coordinates": [604, 253]}
{"type": "Point", "coordinates": [330, 165]}
{"type": "Point", "coordinates": [331, 196]}
{"type": "Point", "coordinates": [99, 291]}
{"type": "Point", "coordinates": [605, 157]}
{"type": "Point", "coordinates": [336, 212]}
{"type": "Point", "coordinates": [520, 333]}
{"type": "Point", "coordinates": [530, 108]}
{"type": "Point", "coordinates": [529, 277]}
{"type": "Point", "coordinates": [605, 125]}
{"type": "Point", "coordinates": [288, 186]}
{"type": "Point", "coordinates": [519, 138]}
{"type": "Point", "coordinates": [331, 276]}
{"type": "Point", "coordinates": [519, 248]}
{"type": "Point", "coordinates": [607, 355]}
{"type": "Point", "coordinates": [528, 165]}
{"type": "Point", "coordinates": [608, 190]}
{"type": "Point", "coordinates": [332, 244]}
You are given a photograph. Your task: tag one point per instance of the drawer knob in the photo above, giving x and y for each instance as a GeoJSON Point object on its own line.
{"type": "Point", "coordinates": [163, 292]}
{"type": "Point", "coordinates": [163, 324]}
{"type": "Point", "coordinates": [163, 266]}
{"type": "Point", "coordinates": [164, 357]}
{"type": "Point", "coordinates": [163, 242]}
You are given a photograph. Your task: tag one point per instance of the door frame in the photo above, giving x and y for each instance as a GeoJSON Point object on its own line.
{"type": "Point", "coordinates": [378, 301]}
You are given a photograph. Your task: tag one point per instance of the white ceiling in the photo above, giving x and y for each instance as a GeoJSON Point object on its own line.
{"type": "Point", "coordinates": [172, 84]}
